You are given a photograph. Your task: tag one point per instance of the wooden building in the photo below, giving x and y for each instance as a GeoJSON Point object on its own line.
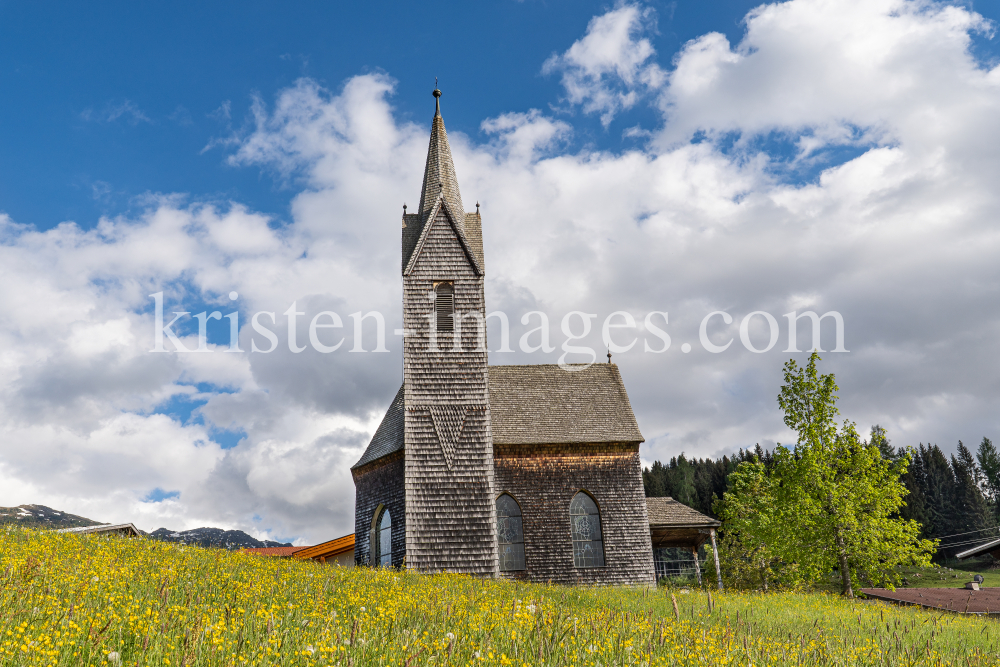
{"type": "Point", "coordinates": [674, 525]}
{"type": "Point", "coordinates": [126, 529]}
{"type": "Point", "coordinates": [515, 471]}
{"type": "Point", "coordinates": [273, 552]}
{"type": "Point", "coordinates": [339, 551]}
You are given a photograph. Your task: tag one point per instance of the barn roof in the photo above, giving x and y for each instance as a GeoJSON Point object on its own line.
{"type": "Point", "coordinates": [537, 404]}
{"type": "Point", "coordinates": [280, 552]}
{"type": "Point", "coordinates": [980, 549]}
{"type": "Point", "coordinates": [104, 528]}
{"type": "Point", "coordinates": [328, 549]}
{"type": "Point", "coordinates": [545, 403]}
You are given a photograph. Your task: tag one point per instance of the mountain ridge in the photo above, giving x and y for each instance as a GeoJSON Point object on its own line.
{"type": "Point", "coordinates": [41, 516]}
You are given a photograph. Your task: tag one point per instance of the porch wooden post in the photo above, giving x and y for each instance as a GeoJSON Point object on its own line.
{"type": "Point", "coordinates": [715, 553]}
{"type": "Point", "coordinates": [697, 567]}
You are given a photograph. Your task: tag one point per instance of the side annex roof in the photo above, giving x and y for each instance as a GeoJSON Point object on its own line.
{"type": "Point", "coordinates": [667, 512]}
{"type": "Point", "coordinates": [388, 436]}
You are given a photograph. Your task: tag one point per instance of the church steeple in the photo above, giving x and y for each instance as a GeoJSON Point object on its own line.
{"type": "Point", "coordinates": [439, 173]}
{"type": "Point", "coordinates": [448, 472]}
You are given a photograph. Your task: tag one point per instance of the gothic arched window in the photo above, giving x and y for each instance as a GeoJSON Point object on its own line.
{"type": "Point", "coordinates": [585, 526]}
{"type": "Point", "coordinates": [444, 304]}
{"type": "Point", "coordinates": [510, 534]}
{"type": "Point", "coordinates": [383, 539]}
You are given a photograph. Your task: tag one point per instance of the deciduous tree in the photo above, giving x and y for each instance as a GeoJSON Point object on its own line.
{"type": "Point", "coordinates": [834, 498]}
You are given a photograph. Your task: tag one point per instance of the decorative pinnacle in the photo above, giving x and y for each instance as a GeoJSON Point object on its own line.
{"type": "Point", "coordinates": [404, 208]}
{"type": "Point", "coordinates": [437, 98]}
{"type": "Point", "coordinates": [609, 355]}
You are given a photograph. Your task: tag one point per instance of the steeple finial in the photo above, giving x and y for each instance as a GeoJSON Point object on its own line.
{"type": "Point", "coordinates": [437, 98]}
{"type": "Point", "coordinates": [439, 174]}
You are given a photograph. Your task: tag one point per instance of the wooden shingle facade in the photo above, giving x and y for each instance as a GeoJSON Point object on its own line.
{"type": "Point", "coordinates": [527, 472]}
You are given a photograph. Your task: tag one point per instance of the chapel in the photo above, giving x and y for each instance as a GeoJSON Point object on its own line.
{"type": "Point", "coordinates": [529, 471]}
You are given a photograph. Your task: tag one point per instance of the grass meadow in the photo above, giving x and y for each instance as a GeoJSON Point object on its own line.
{"type": "Point", "coordinates": [111, 601]}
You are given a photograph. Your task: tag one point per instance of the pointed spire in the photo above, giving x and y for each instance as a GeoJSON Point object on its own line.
{"type": "Point", "coordinates": [439, 174]}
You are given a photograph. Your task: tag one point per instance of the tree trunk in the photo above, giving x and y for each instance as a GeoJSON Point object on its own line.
{"type": "Point", "coordinates": [845, 572]}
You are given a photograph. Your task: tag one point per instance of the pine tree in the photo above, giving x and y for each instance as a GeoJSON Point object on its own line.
{"type": "Point", "coordinates": [989, 463]}
{"type": "Point", "coordinates": [878, 437]}
{"type": "Point", "coordinates": [972, 512]}
{"type": "Point", "coordinates": [940, 492]}
{"type": "Point", "coordinates": [653, 481]}
{"type": "Point", "coordinates": [682, 481]}
{"type": "Point", "coordinates": [915, 504]}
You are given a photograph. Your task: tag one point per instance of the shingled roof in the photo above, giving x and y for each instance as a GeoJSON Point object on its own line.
{"type": "Point", "coordinates": [388, 436]}
{"type": "Point", "coordinates": [439, 172]}
{"type": "Point", "coordinates": [668, 512]}
{"type": "Point", "coordinates": [537, 405]}
{"type": "Point", "coordinates": [546, 404]}
{"type": "Point", "coordinates": [441, 186]}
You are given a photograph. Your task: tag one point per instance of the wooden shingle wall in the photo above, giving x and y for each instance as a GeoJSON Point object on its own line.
{"type": "Point", "coordinates": [544, 478]}
{"type": "Point", "coordinates": [450, 511]}
{"type": "Point", "coordinates": [379, 483]}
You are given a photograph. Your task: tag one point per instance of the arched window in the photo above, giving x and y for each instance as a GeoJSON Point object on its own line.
{"type": "Point", "coordinates": [585, 525]}
{"type": "Point", "coordinates": [383, 539]}
{"type": "Point", "coordinates": [510, 534]}
{"type": "Point", "coordinates": [444, 303]}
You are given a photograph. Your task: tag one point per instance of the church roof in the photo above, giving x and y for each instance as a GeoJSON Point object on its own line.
{"type": "Point", "coordinates": [539, 404]}
{"type": "Point", "coordinates": [545, 404]}
{"type": "Point", "coordinates": [439, 172]}
{"type": "Point", "coordinates": [668, 512]}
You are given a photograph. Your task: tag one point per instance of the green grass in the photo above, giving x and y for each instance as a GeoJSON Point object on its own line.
{"type": "Point", "coordinates": [954, 576]}
{"type": "Point", "coordinates": [118, 602]}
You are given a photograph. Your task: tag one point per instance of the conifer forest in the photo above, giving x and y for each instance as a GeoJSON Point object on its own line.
{"type": "Point", "coordinates": [956, 497]}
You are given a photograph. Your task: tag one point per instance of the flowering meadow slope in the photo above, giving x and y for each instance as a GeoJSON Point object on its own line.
{"type": "Point", "coordinates": [77, 600]}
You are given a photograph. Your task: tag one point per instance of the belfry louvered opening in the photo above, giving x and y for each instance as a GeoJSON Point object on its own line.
{"type": "Point", "coordinates": [444, 303]}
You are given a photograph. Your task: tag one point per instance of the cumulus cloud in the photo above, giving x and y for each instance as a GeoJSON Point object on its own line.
{"type": "Point", "coordinates": [899, 236]}
{"type": "Point", "coordinates": [608, 69]}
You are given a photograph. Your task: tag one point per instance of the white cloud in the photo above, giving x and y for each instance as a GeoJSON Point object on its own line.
{"type": "Point", "coordinates": [608, 69]}
{"type": "Point", "coordinates": [900, 237]}
{"type": "Point", "coordinates": [126, 110]}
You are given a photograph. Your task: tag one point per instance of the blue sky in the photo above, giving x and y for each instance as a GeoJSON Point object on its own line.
{"type": "Point", "coordinates": [107, 102]}
{"type": "Point", "coordinates": [636, 157]}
